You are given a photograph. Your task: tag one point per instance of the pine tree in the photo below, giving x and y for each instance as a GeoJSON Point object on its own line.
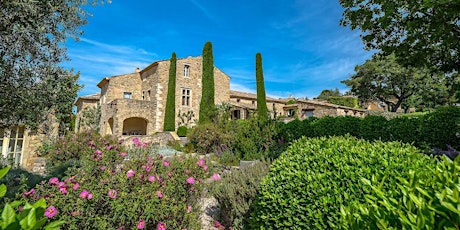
{"type": "Point", "coordinates": [170, 110]}
{"type": "Point", "coordinates": [262, 110]}
{"type": "Point", "coordinates": [207, 92]}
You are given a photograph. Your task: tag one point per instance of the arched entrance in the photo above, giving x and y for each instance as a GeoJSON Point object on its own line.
{"type": "Point", "coordinates": [109, 130]}
{"type": "Point", "coordinates": [135, 126]}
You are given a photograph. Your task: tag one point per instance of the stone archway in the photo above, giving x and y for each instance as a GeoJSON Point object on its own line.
{"type": "Point", "coordinates": [109, 130]}
{"type": "Point", "coordinates": [135, 126]}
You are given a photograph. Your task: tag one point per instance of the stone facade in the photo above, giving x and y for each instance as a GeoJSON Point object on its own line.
{"type": "Point", "coordinates": [303, 109]}
{"type": "Point", "coordinates": [84, 103]}
{"type": "Point", "coordinates": [133, 104]}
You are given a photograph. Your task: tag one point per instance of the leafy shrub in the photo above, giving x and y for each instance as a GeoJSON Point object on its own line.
{"type": "Point", "coordinates": [351, 102]}
{"type": "Point", "coordinates": [66, 151]}
{"type": "Point", "coordinates": [29, 216]}
{"type": "Point", "coordinates": [207, 138]}
{"type": "Point", "coordinates": [421, 201]}
{"type": "Point", "coordinates": [113, 189]}
{"type": "Point", "coordinates": [236, 191]}
{"type": "Point", "coordinates": [18, 181]}
{"type": "Point", "coordinates": [175, 145]}
{"type": "Point", "coordinates": [254, 138]}
{"type": "Point", "coordinates": [313, 178]}
{"type": "Point", "coordinates": [182, 131]}
{"type": "Point", "coordinates": [229, 158]}
{"type": "Point", "coordinates": [374, 128]}
{"type": "Point", "coordinates": [441, 127]}
{"type": "Point", "coordinates": [405, 129]}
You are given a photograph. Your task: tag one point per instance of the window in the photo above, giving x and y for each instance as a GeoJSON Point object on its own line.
{"type": "Point", "coordinates": [309, 113]}
{"type": "Point", "coordinates": [143, 95]}
{"type": "Point", "coordinates": [186, 97]}
{"type": "Point", "coordinates": [127, 95]}
{"type": "Point", "coordinates": [186, 70]}
{"type": "Point", "coordinates": [12, 143]}
{"type": "Point", "coordinates": [2, 137]}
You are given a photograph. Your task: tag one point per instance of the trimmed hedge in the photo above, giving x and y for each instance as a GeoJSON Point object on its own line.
{"type": "Point", "coordinates": [344, 101]}
{"type": "Point", "coordinates": [421, 201]}
{"type": "Point", "coordinates": [307, 185]}
{"type": "Point", "coordinates": [434, 130]}
{"type": "Point", "coordinates": [182, 131]}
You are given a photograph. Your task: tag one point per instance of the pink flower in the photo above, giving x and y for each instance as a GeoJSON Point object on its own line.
{"type": "Point", "coordinates": [123, 154]}
{"type": "Point", "coordinates": [102, 168]}
{"type": "Point", "coordinates": [61, 184]}
{"type": "Point", "coordinates": [200, 162]}
{"type": "Point", "coordinates": [161, 226]}
{"type": "Point", "coordinates": [169, 174]}
{"type": "Point", "coordinates": [159, 194]}
{"type": "Point", "coordinates": [216, 176]}
{"type": "Point", "coordinates": [76, 213]}
{"type": "Point", "coordinates": [63, 190]}
{"type": "Point", "coordinates": [205, 167]}
{"type": "Point", "coordinates": [136, 141]}
{"type": "Point", "coordinates": [75, 186]}
{"type": "Point", "coordinates": [166, 163]}
{"type": "Point", "coordinates": [152, 178]}
{"type": "Point", "coordinates": [130, 173]}
{"type": "Point", "coordinates": [109, 147]}
{"type": "Point", "coordinates": [50, 212]}
{"type": "Point", "coordinates": [189, 209]}
{"type": "Point", "coordinates": [112, 193]}
{"type": "Point", "coordinates": [53, 180]}
{"type": "Point", "coordinates": [31, 192]}
{"type": "Point", "coordinates": [86, 195]}
{"type": "Point", "coordinates": [190, 180]}
{"type": "Point", "coordinates": [141, 224]}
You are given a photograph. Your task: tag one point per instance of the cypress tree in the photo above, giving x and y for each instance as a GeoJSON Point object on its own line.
{"type": "Point", "coordinates": [170, 110]}
{"type": "Point", "coordinates": [207, 81]}
{"type": "Point", "coordinates": [262, 110]}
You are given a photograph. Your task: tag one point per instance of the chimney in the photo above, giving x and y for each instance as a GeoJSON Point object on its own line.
{"type": "Point", "coordinates": [138, 70]}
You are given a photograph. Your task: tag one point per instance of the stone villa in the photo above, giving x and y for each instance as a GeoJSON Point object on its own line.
{"type": "Point", "coordinates": [134, 103]}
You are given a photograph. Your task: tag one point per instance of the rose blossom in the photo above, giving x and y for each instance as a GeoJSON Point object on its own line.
{"type": "Point", "coordinates": [50, 212]}
{"type": "Point", "coordinates": [166, 163]}
{"type": "Point", "coordinates": [190, 180]}
{"type": "Point", "coordinates": [130, 173]}
{"type": "Point", "coordinates": [152, 178]}
{"type": "Point", "coordinates": [112, 193]}
{"type": "Point", "coordinates": [159, 194]}
{"type": "Point", "coordinates": [216, 176]}
{"type": "Point", "coordinates": [141, 224]}
{"type": "Point", "coordinates": [161, 226]}
{"type": "Point", "coordinates": [53, 180]}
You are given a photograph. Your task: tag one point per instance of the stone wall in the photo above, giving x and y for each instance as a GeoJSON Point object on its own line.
{"type": "Point", "coordinates": [119, 110]}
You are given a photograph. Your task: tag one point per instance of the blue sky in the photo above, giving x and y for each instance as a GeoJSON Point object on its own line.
{"type": "Point", "coordinates": [304, 49]}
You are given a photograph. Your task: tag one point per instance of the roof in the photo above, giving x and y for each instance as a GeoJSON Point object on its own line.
{"type": "Point", "coordinates": [252, 96]}
{"type": "Point", "coordinates": [105, 80]}
{"type": "Point", "coordinates": [91, 97]}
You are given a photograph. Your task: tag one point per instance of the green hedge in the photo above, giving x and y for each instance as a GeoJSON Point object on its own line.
{"type": "Point", "coordinates": [307, 185]}
{"type": "Point", "coordinates": [435, 130]}
{"type": "Point", "coordinates": [421, 201]}
{"type": "Point", "coordinates": [344, 101]}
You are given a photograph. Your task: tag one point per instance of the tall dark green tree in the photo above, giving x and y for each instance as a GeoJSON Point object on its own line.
{"type": "Point", "coordinates": [32, 39]}
{"type": "Point", "coordinates": [262, 110]}
{"type": "Point", "coordinates": [207, 105]}
{"type": "Point", "coordinates": [170, 110]}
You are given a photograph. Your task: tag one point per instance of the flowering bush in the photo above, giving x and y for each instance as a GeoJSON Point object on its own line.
{"type": "Point", "coordinates": [114, 189]}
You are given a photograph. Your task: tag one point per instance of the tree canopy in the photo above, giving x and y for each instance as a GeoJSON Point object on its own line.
{"type": "Point", "coordinates": [420, 33]}
{"type": "Point", "coordinates": [327, 93]}
{"type": "Point", "coordinates": [32, 45]}
{"type": "Point", "coordinates": [383, 79]}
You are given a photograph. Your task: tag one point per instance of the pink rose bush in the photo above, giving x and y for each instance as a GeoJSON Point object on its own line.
{"type": "Point", "coordinates": [141, 191]}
